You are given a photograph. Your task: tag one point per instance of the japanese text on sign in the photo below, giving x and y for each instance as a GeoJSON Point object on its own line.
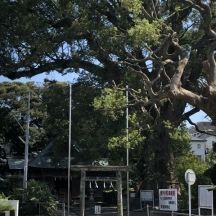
{"type": "Point", "coordinates": [168, 199]}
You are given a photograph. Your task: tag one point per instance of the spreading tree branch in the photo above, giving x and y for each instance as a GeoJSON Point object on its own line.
{"type": "Point", "coordinates": [198, 129]}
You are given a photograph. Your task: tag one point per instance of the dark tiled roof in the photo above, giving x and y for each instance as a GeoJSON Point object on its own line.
{"type": "Point", "coordinates": [43, 160]}
{"type": "Point", "coordinates": [39, 162]}
{"type": "Point", "coordinates": [49, 162]}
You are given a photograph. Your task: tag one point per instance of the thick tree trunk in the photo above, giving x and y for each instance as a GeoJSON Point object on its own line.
{"type": "Point", "coordinates": [164, 158]}
{"type": "Point", "coordinates": [158, 157]}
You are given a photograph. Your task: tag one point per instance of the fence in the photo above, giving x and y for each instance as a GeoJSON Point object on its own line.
{"type": "Point", "coordinates": [37, 210]}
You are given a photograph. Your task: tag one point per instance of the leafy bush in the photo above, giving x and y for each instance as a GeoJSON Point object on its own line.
{"type": "Point", "coordinates": [4, 204]}
{"type": "Point", "coordinates": [37, 197]}
{"type": "Point", "coordinates": [190, 161]}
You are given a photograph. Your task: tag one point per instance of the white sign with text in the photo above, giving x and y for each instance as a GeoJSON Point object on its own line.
{"type": "Point", "coordinates": [205, 196]}
{"type": "Point", "coordinates": [168, 199]}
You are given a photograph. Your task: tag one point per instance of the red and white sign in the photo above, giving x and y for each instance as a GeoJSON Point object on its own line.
{"type": "Point", "coordinates": [168, 199]}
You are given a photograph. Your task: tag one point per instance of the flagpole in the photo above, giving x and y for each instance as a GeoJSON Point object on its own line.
{"type": "Point", "coordinates": [127, 153]}
{"type": "Point", "coordinates": [25, 176]}
{"type": "Point", "coordinates": [69, 150]}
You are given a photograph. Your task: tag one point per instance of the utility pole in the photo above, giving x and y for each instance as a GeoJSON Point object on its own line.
{"type": "Point", "coordinates": [127, 153]}
{"type": "Point", "coordinates": [69, 150]}
{"type": "Point", "coordinates": [25, 176]}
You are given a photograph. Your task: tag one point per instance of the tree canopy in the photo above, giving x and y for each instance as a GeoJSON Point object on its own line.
{"type": "Point", "coordinates": [166, 47]}
{"type": "Point", "coordinates": [164, 50]}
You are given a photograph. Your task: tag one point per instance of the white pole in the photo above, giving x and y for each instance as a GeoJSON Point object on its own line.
{"type": "Point", "coordinates": [127, 153]}
{"type": "Point", "coordinates": [212, 203]}
{"type": "Point", "coordinates": [69, 150]}
{"type": "Point", "coordinates": [25, 176]}
{"type": "Point", "coordinates": [189, 198]}
{"type": "Point", "coordinates": [147, 207]}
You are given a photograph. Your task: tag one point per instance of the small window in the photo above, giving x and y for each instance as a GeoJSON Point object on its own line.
{"type": "Point", "coordinates": [199, 146]}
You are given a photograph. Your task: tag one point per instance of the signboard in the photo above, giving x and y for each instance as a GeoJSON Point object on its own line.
{"type": "Point", "coordinates": [147, 195]}
{"type": "Point", "coordinates": [97, 209]}
{"type": "Point", "coordinates": [205, 196]}
{"type": "Point", "coordinates": [190, 177]}
{"type": "Point", "coordinates": [168, 199]}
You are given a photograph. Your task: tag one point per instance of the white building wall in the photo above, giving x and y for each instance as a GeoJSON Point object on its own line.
{"type": "Point", "coordinates": [202, 143]}
{"type": "Point", "coordinates": [209, 142]}
{"type": "Point", "coordinates": [198, 148]}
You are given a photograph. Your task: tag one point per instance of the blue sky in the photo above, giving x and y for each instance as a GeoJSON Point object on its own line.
{"type": "Point", "coordinates": [71, 77]}
{"type": "Point", "coordinates": [200, 116]}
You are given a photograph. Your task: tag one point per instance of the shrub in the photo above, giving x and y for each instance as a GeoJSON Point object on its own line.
{"type": "Point", "coordinates": [4, 204]}
{"type": "Point", "coordinates": [37, 197]}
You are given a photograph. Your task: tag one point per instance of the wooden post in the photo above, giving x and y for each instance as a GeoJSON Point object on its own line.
{"type": "Point", "coordinates": [119, 189]}
{"type": "Point", "coordinates": [82, 193]}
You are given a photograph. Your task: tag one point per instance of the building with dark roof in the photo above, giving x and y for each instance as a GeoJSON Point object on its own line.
{"type": "Point", "coordinates": [202, 143]}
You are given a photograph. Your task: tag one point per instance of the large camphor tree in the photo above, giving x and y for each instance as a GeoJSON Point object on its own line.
{"type": "Point", "coordinates": [164, 50]}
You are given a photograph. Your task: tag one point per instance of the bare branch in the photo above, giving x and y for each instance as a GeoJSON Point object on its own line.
{"type": "Point", "coordinates": [158, 75]}
{"type": "Point", "coordinates": [60, 65]}
{"type": "Point", "coordinates": [190, 113]}
{"type": "Point", "coordinates": [162, 49]}
{"type": "Point", "coordinates": [146, 14]}
{"type": "Point", "coordinates": [205, 11]}
{"type": "Point", "coordinates": [153, 5]}
{"type": "Point", "coordinates": [176, 79]}
{"type": "Point", "coordinates": [207, 16]}
{"type": "Point", "coordinates": [197, 128]}
{"type": "Point", "coordinates": [212, 65]}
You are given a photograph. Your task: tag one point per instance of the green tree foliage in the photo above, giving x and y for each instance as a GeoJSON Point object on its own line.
{"type": "Point", "coordinates": [89, 131]}
{"type": "Point", "coordinates": [111, 39]}
{"type": "Point", "coordinates": [4, 204]}
{"type": "Point", "coordinates": [134, 7]}
{"type": "Point", "coordinates": [49, 120]}
{"type": "Point", "coordinates": [183, 163]}
{"type": "Point", "coordinates": [55, 99]}
{"type": "Point", "coordinates": [211, 161]}
{"type": "Point", "coordinates": [36, 194]}
{"type": "Point", "coordinates": [150, 166]}
{"type": "Point", "coordinates": [211, 158]}
{"type": "Point", "coordinates": [190, 161]}
{"type": "Point", "coordinates": [165, 50]}
{"type": "Point", "coordinates": [111, 103]}
{"type": "Point", "coordinates": [13, 111]}
{"type": "Point", "coordinates": [180, 139]}
{"type": "Point", "coordinates": [145, 32]}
